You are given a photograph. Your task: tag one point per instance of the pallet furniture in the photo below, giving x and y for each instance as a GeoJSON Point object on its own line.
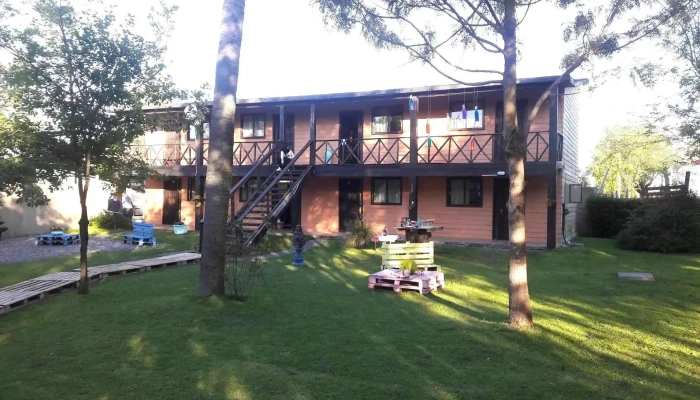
{"type": "Point", "coordinates": [422, 253]}
{"type": "Point", "coordinates": [423, 282]}
{"type": "Point", "coordinates": [143, 234]}
{"type": "Point", "coordinates": [23, 293]}
{"type": "Point", "coordinates": [57, 239]}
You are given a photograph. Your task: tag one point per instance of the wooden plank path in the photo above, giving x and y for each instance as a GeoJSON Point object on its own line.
{"type": "Point", "coordinates": [23, 293]}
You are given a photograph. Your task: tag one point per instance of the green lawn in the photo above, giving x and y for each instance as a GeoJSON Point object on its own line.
{"type": "Point", "coordinates": [318, 333]}
{"type": "Point", "coordinates": [167, 242]}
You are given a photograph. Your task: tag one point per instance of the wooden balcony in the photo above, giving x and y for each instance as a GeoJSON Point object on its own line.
{"type": "Point", "coordinates": [461, 149]}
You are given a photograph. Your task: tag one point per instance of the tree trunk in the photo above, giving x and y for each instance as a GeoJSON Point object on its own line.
{"type": "Point", "coordinates": [220, 160]}
{"type": "Point", "coordinates": [83, 224]}
{"type": "Point", "coordinates": [520, 311]}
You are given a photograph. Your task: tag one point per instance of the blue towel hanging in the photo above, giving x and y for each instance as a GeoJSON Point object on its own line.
{"type": "Point", "coordinates": [476, 115]}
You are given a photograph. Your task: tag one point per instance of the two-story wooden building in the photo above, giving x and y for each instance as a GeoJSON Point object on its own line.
{"type": "Point", "coordinates": [369, 154]}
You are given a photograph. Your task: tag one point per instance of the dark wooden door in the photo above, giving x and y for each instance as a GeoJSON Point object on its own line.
{"type": "Point", "coordinates": [349, 201]}
{"type": "Point", "coordinates": [288, 136]}
{"type": "Point", "coordinates": [500, 208]}
{"type": "Point", "coordinates": [350, 135]}
{"type": "Point", "coordinates": [171, 201]}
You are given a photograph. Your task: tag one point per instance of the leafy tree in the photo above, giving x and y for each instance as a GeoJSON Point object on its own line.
{"type": "Point", "coordinates": [25, 161]}
{"type": "Point", "coordinates": [633, 157]}
{"type": "Point", "coordinates": [78, 80]}
{"type": "Point", "coordinates": [220, 158]}
{"type": "Point", "coordinates": [683, 39]}
{"type": "Point", "coordinates": [426, 29]}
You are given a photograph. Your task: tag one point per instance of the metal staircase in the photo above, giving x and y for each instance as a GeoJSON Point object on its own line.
{"type": "Point", "coordinates": [273, 195]}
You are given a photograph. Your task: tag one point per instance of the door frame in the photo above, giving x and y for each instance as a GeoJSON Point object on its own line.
{"type": "Point", "coordinates": [495, 212]}
{"type": "Point", "coordinates": [288, 116]}
{"type": "Point", "coordinates": [340, 196]}
{"type": "Point", "coordinates": [178, 182]}
{"type": "Point", "coordinates": [360, 117]}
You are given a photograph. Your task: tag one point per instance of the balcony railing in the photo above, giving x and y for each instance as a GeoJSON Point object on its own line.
{"type": "Point", "coordinates": [448, 149]}
{"type": "Point", "coordinates": [166, 155]}
{"type": "Point", "coordinates": [368, 151]}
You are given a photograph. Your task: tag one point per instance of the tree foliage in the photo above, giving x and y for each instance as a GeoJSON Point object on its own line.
{"type": "Point", "coordinates": [427, 29]}
{"type": "Point", "coordinates": [634, 157]}
{"type": "Point", "coordinates": [683, 39]}
{"type": "Point", "coordinates": [76, 85]}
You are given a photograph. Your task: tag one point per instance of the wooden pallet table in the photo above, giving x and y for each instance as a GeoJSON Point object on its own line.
{"type": "Point", "coordinates": [423, 282]}
{"type": "Point", "coordinates": [61, 239]}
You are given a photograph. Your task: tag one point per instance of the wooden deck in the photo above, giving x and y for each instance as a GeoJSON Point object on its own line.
{"type": "Point", "coordinates": [23, 293]}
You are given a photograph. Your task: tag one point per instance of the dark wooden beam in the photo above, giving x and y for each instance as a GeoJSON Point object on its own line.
{"type": "Point", "coordinates": [198, 183]}
{"type": "Point", "coordinates": [312, 135]}
{"type": "Point", "coordinates": [413, 105]}
{"type": "Point", "coordinates": [280, 130]}
{"type": "Point", "coordinates": [552, 169]}
{"type": "Point", "coordinates": [413, 198]}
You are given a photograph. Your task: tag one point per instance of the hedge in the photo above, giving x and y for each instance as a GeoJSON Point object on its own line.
{"type": "Point", "coordinates": [668, 225]}
{"type": "Point", "coordinates": [608, 215]}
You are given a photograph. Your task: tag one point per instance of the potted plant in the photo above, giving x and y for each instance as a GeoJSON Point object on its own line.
{"type": "Point", "coordinates": [179, 228]}
{"type": "Point", "coordinates": [407, 268]}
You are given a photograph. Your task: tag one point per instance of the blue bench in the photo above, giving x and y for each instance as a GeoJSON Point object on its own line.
{"type": "Point", "coordinates": [143, 234]}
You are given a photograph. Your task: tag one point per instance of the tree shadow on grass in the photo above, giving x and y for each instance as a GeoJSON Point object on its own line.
{"type": "Point", "coordinates": [308, 335]}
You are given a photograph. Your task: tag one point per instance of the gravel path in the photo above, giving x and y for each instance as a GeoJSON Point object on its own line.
{"type": "Point", "coordinates": [23, 248]}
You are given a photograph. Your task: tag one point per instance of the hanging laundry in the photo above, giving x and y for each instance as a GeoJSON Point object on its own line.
{"type": "Point", "coordinates": [464, 111]}
{"type": "Point", "coordinates": [476, 114]}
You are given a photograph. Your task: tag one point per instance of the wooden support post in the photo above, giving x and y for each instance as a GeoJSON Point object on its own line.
{"type": "Point", "coordinates": [413, 198]}
{"type": "Point", "coordinates": [686, 184]}
{"type": "Point", "coordinates": [413, 194]}
{"type": "Point", "coordinates": [414, 132]}
{"type": "Point", "coordinates": [280, 131]}
{"type": "Point", "coordinates": [312, 135]}
{"type": "Point", "coordinates": [198, 170]}
{"type": "Point", "coordinates": [552, 170]}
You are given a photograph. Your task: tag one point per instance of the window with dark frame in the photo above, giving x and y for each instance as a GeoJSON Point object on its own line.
{"type": "Point", "coordinates": [192, 188]}
{"type": "Point", "coordinates": [464, 192]}
{"type": "Point", "coordinates": [387, 119]}
{"type": "Point", "coordinates": [253, 125]}
{"type": "Point", "coordinates": [191, 192]}
{"type": "Point", "coordinates": [386, 191]}
{"type": "Point", "coordinates": [192, 134]}
{"type": "Point", "coordinates": [247, 190]}
{"type": "Point", "coordinates": [474, 116]}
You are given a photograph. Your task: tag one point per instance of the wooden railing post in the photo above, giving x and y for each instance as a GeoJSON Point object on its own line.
{"type": "Point", "coordinates": [312, 135]}
{"type": "Point", "coordinates": [552, 170]}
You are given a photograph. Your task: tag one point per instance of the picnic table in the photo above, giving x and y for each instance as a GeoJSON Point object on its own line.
{"type": "Point", "coordinates": [419, 234]}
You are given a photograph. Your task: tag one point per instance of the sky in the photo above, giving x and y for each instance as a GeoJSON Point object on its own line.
{"type": "Point", "coordinates": [287, 50]}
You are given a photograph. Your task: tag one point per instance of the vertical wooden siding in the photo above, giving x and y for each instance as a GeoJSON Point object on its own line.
{"type": "Point", "coordinates": [389, 216]}
{"type": "Point", "coordinates": [467, 223]}
{"type": "Point", "coordinates": [319, 205]}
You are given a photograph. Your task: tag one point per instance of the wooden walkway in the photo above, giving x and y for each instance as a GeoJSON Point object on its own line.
{"type": "Point", "coordinates": [23, 293]}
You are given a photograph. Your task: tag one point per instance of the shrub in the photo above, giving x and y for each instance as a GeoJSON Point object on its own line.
{"type": "Point", "coordinates": [360, 234]}
{"type": "Point", "coordinates": [106, 220]}
{"type": "Point", "coordinates": [409, 265]}
{"type": "Point", "coordinates": [668, 225]}
{"type": "Point", "coordinates": [244, 266]}
{"type": "Point", "coordinates": [608, 215]}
